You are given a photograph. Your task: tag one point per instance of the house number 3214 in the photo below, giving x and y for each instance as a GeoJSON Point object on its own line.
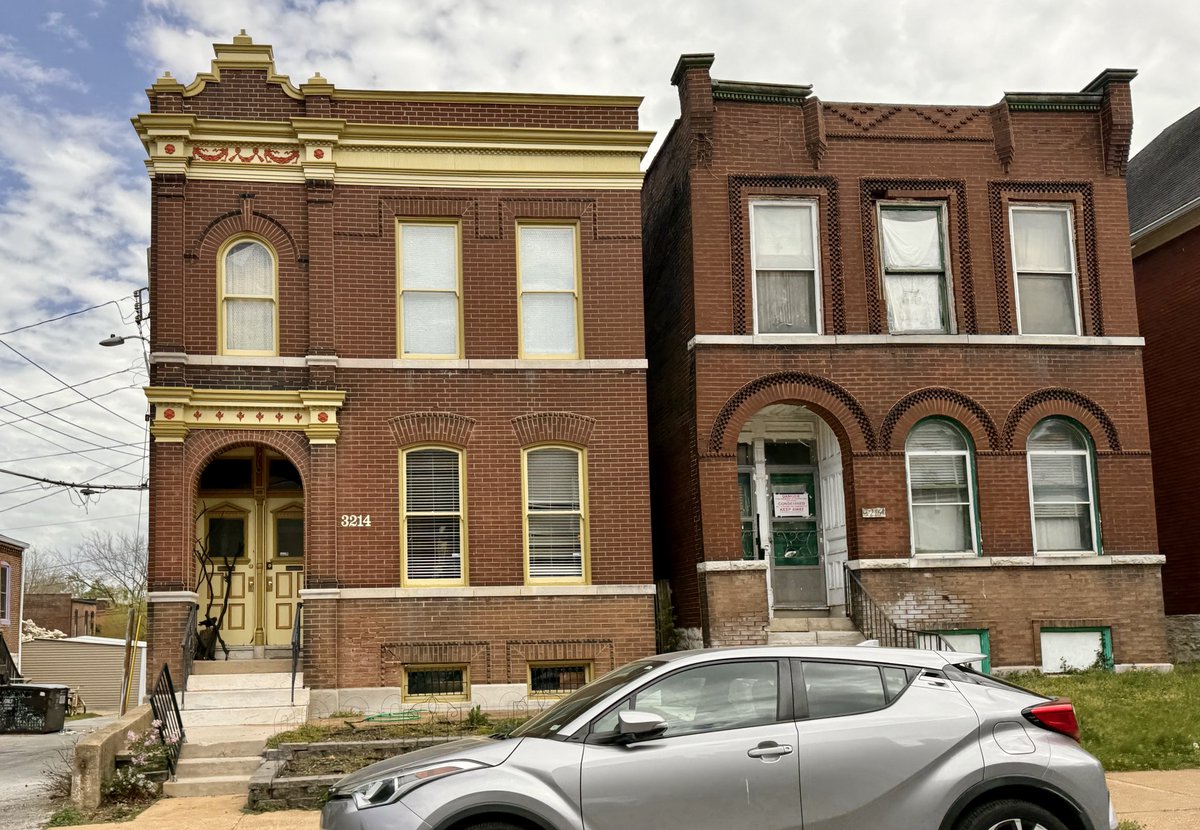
{"type": "Point", "coordinates": [356, 520]}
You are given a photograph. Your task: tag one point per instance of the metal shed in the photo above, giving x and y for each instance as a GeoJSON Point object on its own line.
{"type": "Point", "coordinates": [92, 665]}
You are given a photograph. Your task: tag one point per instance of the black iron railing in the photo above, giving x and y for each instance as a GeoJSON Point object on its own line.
{"type": "Point", "coordinates": [296, 645]}
{"type": "Point", "coordinates": [874, 623]}
{"type": "Point", "coordinates": [166, 712]}
{"type": "Point", "coordinates": [190, 639]}
{"type": "Point", "coordinates": [8, 667]}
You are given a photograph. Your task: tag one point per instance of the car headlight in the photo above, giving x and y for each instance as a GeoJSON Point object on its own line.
{"type": "Point", "coordinates": [386, 790]}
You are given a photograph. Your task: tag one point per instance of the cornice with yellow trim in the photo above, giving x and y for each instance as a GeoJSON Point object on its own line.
{"type": "Point", "coordinates": [180, 409]}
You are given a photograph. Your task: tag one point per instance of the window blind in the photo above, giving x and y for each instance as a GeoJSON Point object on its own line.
{"type": "Point", "coordinates": [940, 497]}
{"type": "Point", "coordinates": [1059, 479]}
{"type": "Point", "coordinates": [432, 515]}
{"type": "Point", "coordinates": [554, 513]}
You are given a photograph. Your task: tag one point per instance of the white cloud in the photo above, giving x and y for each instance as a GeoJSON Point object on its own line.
{"type": "Point", "coordinates": [57, 24]}
{"type": "Point", "coordinates": [29, 73]}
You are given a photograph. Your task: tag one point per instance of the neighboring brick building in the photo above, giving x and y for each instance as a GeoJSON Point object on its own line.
{"type": "Point", "coordinates": [1164, 224]}
{"type": "Point", "coordinates": [73, 616]}
{"type": "Point", "coordinates": [11, 595]}
{"type": "Point", "coordinates": [398, 373]}
{"type": "Point", "coordinates": [838, 344]}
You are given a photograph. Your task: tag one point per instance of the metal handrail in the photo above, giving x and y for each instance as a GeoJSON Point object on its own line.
{"type": "Point", "coordinates": [166, 712]}
{"type": "Point", "coordinates": [188, 645]}
{"type": "Point", "coordinates": [9, 673]}
{"type": "Point", "coordinates": [296, 645]}
{"type": "Point", "coordinates": [874, 623]}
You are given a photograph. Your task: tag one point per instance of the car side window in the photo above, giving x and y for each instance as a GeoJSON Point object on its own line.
{"type": "Point", "coordinates": [836, 689]}
{"type": "Point", "coordinates": [707, 698]}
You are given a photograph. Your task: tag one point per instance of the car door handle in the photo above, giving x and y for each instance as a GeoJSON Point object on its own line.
{"type": "Point", "coordinates": [769, 749]}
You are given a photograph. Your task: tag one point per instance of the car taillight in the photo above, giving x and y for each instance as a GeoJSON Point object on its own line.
{"type": "Point", "coordinates": [1057, 716]}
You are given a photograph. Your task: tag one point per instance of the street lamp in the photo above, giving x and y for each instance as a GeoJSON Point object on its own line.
{"type": "Point", "coordinates": [117, 340]}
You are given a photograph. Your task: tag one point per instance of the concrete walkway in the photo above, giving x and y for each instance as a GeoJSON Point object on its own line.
{"type": "Point", "coordinates": [1155, 800]}
{"type": "Point", "coordinates": [1158, 800]}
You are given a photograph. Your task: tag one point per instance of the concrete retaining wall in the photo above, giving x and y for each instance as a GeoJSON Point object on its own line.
{"type": "Point", "coordinates": [96, 755]}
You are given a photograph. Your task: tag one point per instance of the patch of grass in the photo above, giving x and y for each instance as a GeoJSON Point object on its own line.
{"type": "Point", "coordinates": [343, 763]}
{"type": "Point", "coordinates": [342, 732]}
{"type": "Point", "coordinates": [84, 716]}
{"type": "Point", "coordinates": [1129, 825]}
{"type": "Point", "coordinates": [1137, 720]}
{"type": "Point", "coordinates": [70, 815]}
{"type": "Point", "coordinates": [346, 713]}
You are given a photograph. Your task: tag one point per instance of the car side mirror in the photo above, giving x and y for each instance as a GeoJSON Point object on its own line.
{"type": "Point", "coordinates": [639, 726]}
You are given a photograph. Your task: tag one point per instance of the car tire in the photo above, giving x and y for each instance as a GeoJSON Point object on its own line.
{"type": "Point", "coordinates": [1010, 814]}
{"type": "Point", "coordinates": [493, 825]}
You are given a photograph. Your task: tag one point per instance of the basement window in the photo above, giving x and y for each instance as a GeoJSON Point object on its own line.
{"type": "Point", "coordinates": [557, 679]}
{"type": "Point", "coordinates": [1076, 649]}
{"type": "Point", "coordinates": [436, 683]}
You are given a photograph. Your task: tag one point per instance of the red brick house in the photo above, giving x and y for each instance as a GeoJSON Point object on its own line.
{"type": "Point", "coordinates": [12, 596]}
{"type": "Point", "coordinates": [900, 340]}
{"type": "Point", "coordinates": [1164, 226]}
{"type": "Point", "coordinates": [73, 616]}
{"type": "Point", "coordinates": [398, 375]}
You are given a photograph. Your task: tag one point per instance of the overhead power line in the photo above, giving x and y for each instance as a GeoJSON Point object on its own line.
{"type": "Point", "coordinates": [77, 485]}
{"type": "Point", "coordinates": [70, 423]}
{"type": "Point", "coordinates": [117, 303]}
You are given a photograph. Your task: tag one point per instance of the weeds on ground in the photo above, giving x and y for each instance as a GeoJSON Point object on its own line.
{"type": "Point", "coordinates": [1129, 825]}
{"type": "Point", "coordinates": [56, 775]}
{"type": "Point", "coordinates": [1136, 720]}
{"type": "Point", "coordinates": [71, 815]}
{"type": "Point", "coordinates": [475, 722]}
{"type": "Point", "coordinates": [84, 716]}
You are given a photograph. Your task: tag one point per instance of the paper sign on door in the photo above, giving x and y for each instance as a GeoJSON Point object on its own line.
{"type": "Point", "coordinates": [791, 505]}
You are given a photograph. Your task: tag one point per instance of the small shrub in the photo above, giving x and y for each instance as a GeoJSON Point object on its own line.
{"type": "Point", "coordinates": [68, 816]}
{"type": "Point", "coordinates": [129, 784]}
{"type": "Point", "coordinates": [56, 776]}
{"type": "Point", "coordinates": [477, 719]}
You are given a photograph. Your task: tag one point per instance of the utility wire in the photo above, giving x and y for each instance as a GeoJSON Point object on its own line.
{"type": "Point", "coordinates": [117, 303]}
{"type": "Point", "coordinates": [131, 369]}
{"type": "Point", "coordinates": [76, 485]}
{"type": "Point", "coordinates": [83, 451]}
{"type": "Point", "coordinates": [68, 452]}
{"type": "Point", "coordinates": [6, 408]}
{"type": "Point", "coordinates": [46, 371]}
{"type": "Point", "coordinates": [74, 521]}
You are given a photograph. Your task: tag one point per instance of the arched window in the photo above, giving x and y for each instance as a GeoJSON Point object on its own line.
{"type": "Point", "coordinates": [555, 514]}
{"type": "Point", "coordinates": [941, 489]}
{"type": "Point", "coordinates": [433, 538]}
{"type": "Point", "coordinates": [248, 319]}
{"type": "Point", "coordinates": [1062, 488]}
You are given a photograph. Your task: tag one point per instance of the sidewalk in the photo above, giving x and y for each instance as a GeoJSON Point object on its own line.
{"type": "Point", "coordinates": [1158, 800]}
{"type": "Point", "coordinates": [1155, 800]}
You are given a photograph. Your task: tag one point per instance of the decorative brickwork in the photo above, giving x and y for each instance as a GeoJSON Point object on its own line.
{"type": "Point", "coordinates": [939, 400]}
{"type": "Point", "coordinates": [432, 428]}
{"type": "Point", "coordinates": [998, 193]}
{"type": "Point", "coordinates": [1058, 401]}
{"type": "Point", "coordinates": [553, 427]}
{"type": "Point", "coordinates": [869, 190]}
{"type": "Point", "coordinates": [393, 657]}
{"type": "Point", "coordinates": [520, 653]}
{"type": "Point", "coordinates": [831, 233]}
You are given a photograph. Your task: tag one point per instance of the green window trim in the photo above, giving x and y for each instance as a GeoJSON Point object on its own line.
{"type": "Point", "coordinates": [1105, 632]}
{"type": "Point", "coordinates": [973, 474]}
{"type": "Point", "coordinates": [985, 643]}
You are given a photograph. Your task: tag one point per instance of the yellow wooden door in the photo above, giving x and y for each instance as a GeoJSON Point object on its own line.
{"type": "Point", "coordinates": [228, 530]}
{"type": "Point", "coordinates": [284, 568]}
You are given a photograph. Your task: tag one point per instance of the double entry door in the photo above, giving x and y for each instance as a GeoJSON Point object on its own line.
{"type": "Point", "coordinates": [255, 554]}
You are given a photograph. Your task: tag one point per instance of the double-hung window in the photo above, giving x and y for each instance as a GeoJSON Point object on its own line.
{"type": "Point", "coordinates": [4, 590]}
{"type": "Point", "coordinates": [430, 288]}
{"type": "Point", "coordinates": [1044, 263]}
{"type": "Point", "coordinates": [248, 298]}
{"type": "Point", "coordinates": [941, 489]}
{"type": "Point", "coordinates": [1061, 488]}
{"type": "Point", "coordinates": [549, 285]}
{"type": "Point", "coordinates": [433, 537]}
{"type": "Point", "coordinates": [916, 281]}
{"type": "Point", "coordinates": [785, 261]}
{"type": "Point", "coordinates": [555, 514]}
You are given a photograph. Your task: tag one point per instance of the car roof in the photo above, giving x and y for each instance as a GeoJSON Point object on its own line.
{"type": "Point", "coordinates": [916, 657]}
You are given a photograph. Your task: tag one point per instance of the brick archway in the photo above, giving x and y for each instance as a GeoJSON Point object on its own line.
{"type": "Point", "coordinates": [202, 446]}
{"type": "Point", "coordinates": [1059, 401]}
{"type": "Point", "coordinates": [939, 400]}
{"type": "Point", "coordinates": [837, 407]}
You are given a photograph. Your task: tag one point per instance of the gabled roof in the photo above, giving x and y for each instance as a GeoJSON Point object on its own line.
{"type": "Point", "coordinates": [1165, 176]}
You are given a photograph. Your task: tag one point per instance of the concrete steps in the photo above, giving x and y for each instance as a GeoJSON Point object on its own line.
{"type": "Point", "coordinates": [804, 630]}
{"type": "Point", "coordinates": [229, 711]}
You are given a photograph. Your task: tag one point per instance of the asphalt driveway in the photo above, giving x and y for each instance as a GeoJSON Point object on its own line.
{"type": "Point", "coordinates": [24, 762]}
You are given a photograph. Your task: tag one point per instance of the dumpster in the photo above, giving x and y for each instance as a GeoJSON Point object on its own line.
{"type": "Point", "coordinates": [33, 707]}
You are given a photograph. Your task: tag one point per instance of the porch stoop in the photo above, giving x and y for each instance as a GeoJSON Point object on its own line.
{"type": "Point", "coordinates": [230, 710]}
{"type": "Point", "coordinates": [813, 631]}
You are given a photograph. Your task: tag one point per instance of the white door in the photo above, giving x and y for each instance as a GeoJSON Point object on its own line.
{"type": "Point", "coordinates": [833, 512]}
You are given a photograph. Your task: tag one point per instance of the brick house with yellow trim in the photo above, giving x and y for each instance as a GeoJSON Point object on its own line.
{"type": "Point", "coordinates": [398, 376]}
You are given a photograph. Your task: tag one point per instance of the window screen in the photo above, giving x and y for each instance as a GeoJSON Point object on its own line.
{"type": "Point", "coordinates": [554, 513]}
{"type": "Point", "coordinates": [429, 290]}
{"type": "Point", "coordinates": [785, 267]}
{"type": "Point", "coordinates": [549, 284]}
{"type": "Point", "coordinates": [432, 514]}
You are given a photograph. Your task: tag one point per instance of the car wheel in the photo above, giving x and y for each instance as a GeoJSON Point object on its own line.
{"type": "Point", "coordinates": [1010, 814]}
{"type": "Point", "coordinates": [493, 825]}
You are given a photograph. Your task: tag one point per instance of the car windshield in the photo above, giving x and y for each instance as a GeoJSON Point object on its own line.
{"type": "Point", "coordinates": [547, 724]}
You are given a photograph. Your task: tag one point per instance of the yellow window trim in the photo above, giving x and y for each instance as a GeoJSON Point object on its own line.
{"type": "Point", "coordinates": [291, 510]}
{"type": "Point", "coordinates": [588, 675]}
{"type": "Point", "coordinates": [405, 695]}
{"type": "Point", "coordinates": [458, 288]}
{"type": "Point", "coordinates": [584, 516]}
{"type": "Point", "coordinates": [222, 295]}
{"type": "Point", "coordinates": [228, 511]}
{"type": "Point", "coordinates": [578, 292]}
{"type": "Point", "coordinates": [405, 581]}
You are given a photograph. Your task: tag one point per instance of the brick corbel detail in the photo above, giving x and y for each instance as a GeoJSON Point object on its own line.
{"type": "Point", "coordinates": [553, 427]}
{"type": "Point", "coordinates": [1002, 132]}
{"type": "Point", "coordinates": [814, 131]}
{"type": "Point", "coordinates": [432, 428]}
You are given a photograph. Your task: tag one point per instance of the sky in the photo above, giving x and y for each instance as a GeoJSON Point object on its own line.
{"type": "Point", "coordinates": [74, 197]}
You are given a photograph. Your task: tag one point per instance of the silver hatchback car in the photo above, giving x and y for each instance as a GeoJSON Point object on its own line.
{"type": "Point", "coordinates": [767, 738]}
